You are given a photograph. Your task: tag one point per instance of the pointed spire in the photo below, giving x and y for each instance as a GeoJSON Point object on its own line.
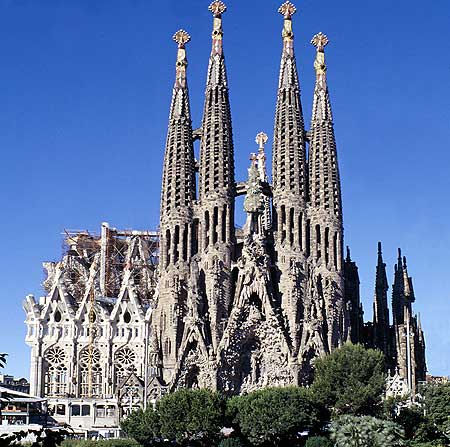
{"type": "Point", "coordinates": [178, 188]}
{"type": "Point", "coordinates": [381, 315]}
{"type": "Point", "coordinates": [216, 152]}
{"type": "Point", "coordinates": [324, 181]}
{"type": "Point", "coordinates": [289, 170]}
{"type": "Point", "coordinates": [348, 257]}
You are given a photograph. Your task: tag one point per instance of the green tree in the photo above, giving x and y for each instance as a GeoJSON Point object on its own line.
{"type": "Point", "coordinates": [436, 401]}
{"type": "Point", "coordinates": [365, 431]}
{"type": "Point", "coordinates": [351, 380]}
{"type": "Point", "coordinates": [144, 427]}
{"type": "Point", "coordinates": [274, 416]}
{"type": "Point", "coordinates": [319, 441]}
{"type": "Point", "coordinates": [191, 416]}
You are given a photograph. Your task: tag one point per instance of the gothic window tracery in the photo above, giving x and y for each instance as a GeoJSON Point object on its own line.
{"type": "Point", "coordinates": [90, 373]}
{"type": "Point", "coordinates": [124, 364]}
{"type": "Point", "coordinates": [55, 375]}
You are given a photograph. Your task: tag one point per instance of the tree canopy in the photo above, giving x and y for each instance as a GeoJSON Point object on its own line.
{"type": "Point", "coordinates": [274, 416]}
{"type": "Point", "coordinates": [365, 431]}
{"type": "Point", "coordinates": [351, 380]}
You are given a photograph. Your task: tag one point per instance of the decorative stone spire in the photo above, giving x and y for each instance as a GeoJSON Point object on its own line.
{"type": "Point", "coordinates": [261, 140]}
{"type": "Point", "coordinates": [289, 154]}
{"type": "Point", "coordinates": [324, 182]}
{"type": "Point", "coordinates": [216, 153]}
{"type": "Point", "coordinates": [178, 185]}
{"type": "Point", "coordinates": [380, 305]}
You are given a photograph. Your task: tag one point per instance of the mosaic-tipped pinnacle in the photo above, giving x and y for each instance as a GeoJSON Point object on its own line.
{"type": "Point", "coordinates": [287, 9]}
{"type": "Point", "coordinates": [217, 8]}
{"type": "Point", "coordinates": [181, 37]}
{"type": "Point", "coordinates": [320, 41]}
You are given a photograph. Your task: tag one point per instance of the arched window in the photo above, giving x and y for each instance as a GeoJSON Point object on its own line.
{"type": "Point", "coordinates": [124, 361]}
{"type": "Point", "coordinates": [55, 372]}
{"type": "Point", "coordinates": [90, 373]}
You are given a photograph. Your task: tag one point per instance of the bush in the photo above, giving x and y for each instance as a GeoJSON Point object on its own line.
{"type": "Point", "coordinates": [231, 442]}
{"type": "Point", "coordinates": [366, 431]}
{"type": "Point", "coordinates": [274, 416]}
{"type": "Point", "coordinates": [351, 380]}
{"type": "Point", "coordinates": [191, 415]}
{"type": "Point", "coordinates": [143, 426]}
{"type": "Point", "coordinates": [319, 441]}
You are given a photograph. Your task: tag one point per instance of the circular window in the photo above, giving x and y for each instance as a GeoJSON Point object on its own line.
{"type": "Point", "coordinates": [127, 317]}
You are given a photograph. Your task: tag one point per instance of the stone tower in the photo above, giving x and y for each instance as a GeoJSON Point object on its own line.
{"type": "Point", "coordinates": [177, 216]}
{"type": "Point", "coordinates": [290, 187]}
{"type": "Point", "coordinates": [215, 211]}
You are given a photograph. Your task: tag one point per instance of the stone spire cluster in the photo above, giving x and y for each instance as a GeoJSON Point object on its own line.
{"type": "Point", "coordinates": [202, 303]}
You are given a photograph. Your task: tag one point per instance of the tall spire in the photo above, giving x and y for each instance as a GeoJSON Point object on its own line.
{"type": "Point", "coordinates": [289, 153]}
{"type": "Point", "coordinates": [216, 153]}
{"type": "Point", "coordinates": [380, 305]}
{"type": "Point", "coordinates": [178, 185]}
{"type": "Point", "coordinates": [324, 182]}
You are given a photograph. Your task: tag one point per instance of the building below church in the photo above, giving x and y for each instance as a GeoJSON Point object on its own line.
{"type": "Point", "coordinates": [130, 315]}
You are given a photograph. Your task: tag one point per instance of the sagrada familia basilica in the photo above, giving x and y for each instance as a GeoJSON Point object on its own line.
{"type": "Point", "coordinates": [131, 315]}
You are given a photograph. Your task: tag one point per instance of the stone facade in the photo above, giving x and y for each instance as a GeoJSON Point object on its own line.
{"type": "Point", "coordinates": [130, 315]}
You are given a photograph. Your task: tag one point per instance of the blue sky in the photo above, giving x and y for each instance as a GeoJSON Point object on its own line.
{"type": "Point", "coordinates": [84, 99]}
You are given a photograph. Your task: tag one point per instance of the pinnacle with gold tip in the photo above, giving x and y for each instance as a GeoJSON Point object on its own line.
{"type": "Point", "coordinates": [320, 41]}
{"type": "Point", "coordinates": [181, 37]}
{"type": "Point", "coordinates": [287, 9]}
{"type": "Point", "coordinates": [217, 8]}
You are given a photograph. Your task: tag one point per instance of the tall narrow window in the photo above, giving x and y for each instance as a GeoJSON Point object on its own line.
{"type": "Point", "coordinates": [308, 237]}
{"type": "Point", "coordinates": [206, 228]}
{"type": "Point", "coordinates": [327, 243]}
{"type": "Point", "coordinates": [167, 247]}
{"type": "Point", "coordinates": [215, 224]}
{"type": "Point", "coordinates": [291, 226]}
{"type": "Point", "coordinates": [224, 224]}
{"type": "Point", "coordinates": [195, 236]}
{"type": "Point", "coordinates": [176, 243]}
{"type": "Point", "coordinates": [185, 242]}
{"type": "Point", "coordinates": [318, 242]}
{"type": "Point", "coordinates": [283, 223]}
{"type": "Point", "coordinates": [335, 250]}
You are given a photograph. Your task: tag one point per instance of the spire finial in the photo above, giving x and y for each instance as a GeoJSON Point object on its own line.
{"type": "Point", "coordinates": [379, 248]}
{"type": "Point", "coordinates": [261, 140]}
{"type": "Point", "coordinates": [320, 41]}
{"type": "Point", "coordinates": [348, 258]}
{"type": "Point", "coordinates": [181, 37]}
{"type": "Point", "coordinates": [287, 10]}
{"type": "Point", "coordinates": [217, 8]}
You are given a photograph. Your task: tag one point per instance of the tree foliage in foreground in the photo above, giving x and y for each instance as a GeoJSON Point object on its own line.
{"type": "Point", "coordinates": [185, 416]}
{"type": "Point", "coordinates": [436, 400]}
{"type": "Point", "coordinates": [274, 416]}
{"type": "Point", "coordinates": [366, 431]}
{"type": "Point", "coordinates": [351, 380]}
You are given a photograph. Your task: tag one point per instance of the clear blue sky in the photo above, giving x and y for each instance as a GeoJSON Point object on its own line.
{"type": "Point", "coordinates": [85, 88]}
